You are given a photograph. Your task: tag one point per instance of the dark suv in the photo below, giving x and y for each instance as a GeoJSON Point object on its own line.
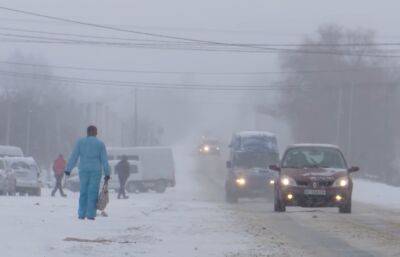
{"type": "Point", "coordinates": [313, 175]}
{"type": "Point", "coordinates": [249, 175]}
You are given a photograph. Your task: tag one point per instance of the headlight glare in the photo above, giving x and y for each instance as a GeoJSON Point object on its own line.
{"type": "Point", "coordinates": [288, 181]}
{"type": "Point", "coordinates": [341, 182]}
{"type": "Point", "coordinates": [241, 181]}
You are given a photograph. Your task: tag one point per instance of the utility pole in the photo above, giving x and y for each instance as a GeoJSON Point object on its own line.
{"type": "Point", "coordinates": [350, 121]}
{"type": "Point", "coordinates": [339, 112]}
{"type": "Point", "coordinates": [122, 133]}
{"type": "Point", "coordinates": [28, 132]}
{"type": "Point", "coordinates": [8, 125]}
{"type": "Point", "coordinates": [135, 118]}
{"type": "Point", "coordinates": [58, 129]}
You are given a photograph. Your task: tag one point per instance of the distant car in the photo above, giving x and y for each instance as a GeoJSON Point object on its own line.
{"type": "Point", "coordinates": [27, 175]}
{"type": "Point", "coordinates": [10, 151]}
{"type": "Point", "coordinates": [209, 147]}
{"type": "Point", "coordinates": [313, 175]}
{"type": "Point", "coordinates": [249, 176]}
{"type": "Point", "coordinates": [7, 179]}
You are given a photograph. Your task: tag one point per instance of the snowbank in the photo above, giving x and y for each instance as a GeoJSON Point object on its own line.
{"type": "Point", "coordinates": [379, 194]}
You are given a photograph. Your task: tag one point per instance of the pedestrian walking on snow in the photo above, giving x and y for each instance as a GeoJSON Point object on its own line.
{"type": "Point", "coordinates": [58, 169]}
{"type": "Point", "coordinates": [122, 170]}
{"type": "Point", "coordinates": [92, 156]}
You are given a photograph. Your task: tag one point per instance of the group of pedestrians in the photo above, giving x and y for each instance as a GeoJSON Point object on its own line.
{"type": "Point", "coordinates": [93, 163]}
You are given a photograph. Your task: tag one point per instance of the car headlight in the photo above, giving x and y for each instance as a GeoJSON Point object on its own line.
{"type": "Point", "coordinates": [206, 148]}
{"type": "Point", "coordinates": [241, 181]}
{"type": "Point", "coordinates": [288, 181]}
{"type": "Point", "coordinates": [341, 182]}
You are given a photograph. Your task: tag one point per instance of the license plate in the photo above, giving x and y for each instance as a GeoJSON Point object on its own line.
{"type": "Point", "coordinates": [315, 192]}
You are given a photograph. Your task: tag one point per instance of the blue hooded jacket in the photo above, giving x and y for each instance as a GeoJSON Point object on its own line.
{"type": "Point", "coordinates": [92, 155]}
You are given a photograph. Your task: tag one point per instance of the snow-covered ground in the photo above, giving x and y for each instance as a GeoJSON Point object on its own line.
{"type": "Point", "coordinates": [193, 220]}
{"type": "Point", "coordinates": [181, 222]}
{"type": "Point", "coordinates": [378, 194]}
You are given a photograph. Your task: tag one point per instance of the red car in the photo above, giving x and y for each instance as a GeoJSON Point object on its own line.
{"type": "Point", "coordinates": [313, 175]}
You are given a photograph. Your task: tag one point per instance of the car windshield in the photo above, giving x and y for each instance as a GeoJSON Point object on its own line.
{"type": "Point", "coordinates": [308, 157]}
{"type": "Point", "coordinates": [259, 142]}
{"type": "Point", "coordinates": [20, 166]}
{"type": "Point", "coordinates": [251, 160]}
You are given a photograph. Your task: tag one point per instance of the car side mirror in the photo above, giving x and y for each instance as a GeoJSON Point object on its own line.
{"type": "Point", "coordinates": [229, 164]}
{"type": "Point", "coordinates": [353, 169]}
{"type": "Point", "coordinates": [275, 168]}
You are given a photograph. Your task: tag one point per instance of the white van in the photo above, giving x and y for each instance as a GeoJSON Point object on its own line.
{"type": "Point", "coordinates": [156, 170]}
{"type": "Point", "coordinates": [10, 151]}
{"type": "Point", "coordinates": [72, 183]}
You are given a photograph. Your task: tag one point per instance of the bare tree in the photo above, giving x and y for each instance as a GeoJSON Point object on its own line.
{"type": "Point", "coordinates": [40, 115]}
{"type": "Point", "coordinates": [342, 95]}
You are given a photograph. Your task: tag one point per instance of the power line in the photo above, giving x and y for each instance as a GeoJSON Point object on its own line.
{"type": "Point", "coordinates": [180, 86]}
{"type": "Point", "coordinates": [111, 27]}
{"type": "Point", "coordinates": [296, 51]}
{"type": "Point", "coordinates": [180, 42]}
{"type": "Point", "coordinates": [195, 73]}
{"type": "Point", "coordinates": [162, 45]}
{"type": "Point", "coordinates": [84, 35]}
{"type": "Point", "coordinates": [204, 48]}
{"type": "Point", "coordinates": [142, 85]}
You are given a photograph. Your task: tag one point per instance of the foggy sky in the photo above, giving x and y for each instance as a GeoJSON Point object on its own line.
{"type": "Point", "coordinates": [256, 21]}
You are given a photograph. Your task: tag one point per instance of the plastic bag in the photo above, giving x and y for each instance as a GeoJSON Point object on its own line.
{"type": "Point", "coordinates": [103, 199]}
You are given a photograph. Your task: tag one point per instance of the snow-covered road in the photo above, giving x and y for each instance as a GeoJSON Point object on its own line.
{"type": "Point", "coordinates": [373, 229]}
{"type": "Point", "coordinates": [193, 220]}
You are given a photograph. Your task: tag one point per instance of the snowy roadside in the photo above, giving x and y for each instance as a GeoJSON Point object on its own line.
{"type": "Point", "coordinates": [178, 223]}
{"type": "Point", "coordinates": [375, 193]}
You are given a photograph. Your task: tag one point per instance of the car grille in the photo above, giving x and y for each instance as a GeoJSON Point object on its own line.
{"type": "Point", "coordinates": [319, 183]}
{"type": "Point", "coordinates": [302, 183]}
{"type": "Point", "coordinates": [256, 182]}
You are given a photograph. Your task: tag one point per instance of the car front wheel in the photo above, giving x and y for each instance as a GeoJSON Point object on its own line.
{"type": "Point", "coordinates": [346, 207]}
{"type": "Point", "coordinates": [230, 196]}
{"type": "Point", "coordinates": [160, 186]}
{"type": "Point", "coordinates": [279, 206]}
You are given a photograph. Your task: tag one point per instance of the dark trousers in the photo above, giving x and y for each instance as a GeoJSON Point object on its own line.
{"type": "Point", "coordinates": [58, 186]}
{"type": "Point", "coordinates": [121, 192]}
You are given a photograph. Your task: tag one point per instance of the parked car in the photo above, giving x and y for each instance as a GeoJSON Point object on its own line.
{"type": "Point", "coordinates": [27, 174]}
{"type": "Point", "coordinates": [249, 175]}
{"type": "Point", "coordinates": [7, 179]}
{"type": "Point", "coordinates": [10, 151]}
{"type": "Point", "coordinates": [313, 175]}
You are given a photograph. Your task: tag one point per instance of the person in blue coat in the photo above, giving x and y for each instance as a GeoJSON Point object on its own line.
{"type": "Point", "coordinates": [92, 156]}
